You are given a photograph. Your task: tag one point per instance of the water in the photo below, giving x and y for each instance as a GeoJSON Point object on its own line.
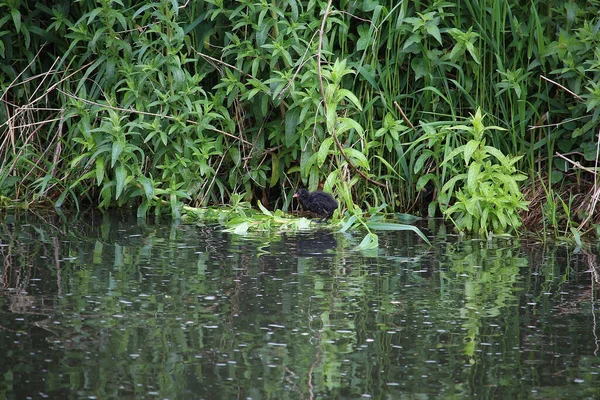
{"type": "Point", "coordinates": [107, 307]}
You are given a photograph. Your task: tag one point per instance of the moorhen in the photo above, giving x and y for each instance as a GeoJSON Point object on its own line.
{"type": "Point", "coordinates": [318, 202]}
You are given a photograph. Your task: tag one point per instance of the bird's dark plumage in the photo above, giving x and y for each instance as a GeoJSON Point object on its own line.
{"type": "Point", "coordinates": [318, 202]}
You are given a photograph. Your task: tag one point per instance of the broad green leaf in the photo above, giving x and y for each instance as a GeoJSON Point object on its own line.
{"type": "Point", "coordinates": [16, 17]}
{"type": "Point", "coordinates": [470, 148]}
{"type": "Point", "coordinates": [117, 149]}
{"type": "Point", "coordinates": [357, 157]}
{"type": "Point", "coordinates": [434, 31]}
{"type": "Point", "coordinates": [148, 188]}
{"type": "Point", "coordinates": [453, 154]}
{"type": "Point", "coordinates": [449, 186]}
{"type": "Point", "coordinates": [473, 176]}
{"type": "Point", "coordinates": [424, 179]}
{"type": "Point", "coordinates": [324, 151]}
{"type": "Point", "coordinates": [496, 153]}
{"type": "Point", "coordinates": [425, 155]}
{"type": "Point", "coordinates": [331, 180]}
{"type": "Point", "coordinates": [346, 124]}
{"type": "Point", "coordinates": [351, 97]}
{"type": "Point", "coordinates": [331, 119]}
{"type": "Point", "coordinates": [142, 209]}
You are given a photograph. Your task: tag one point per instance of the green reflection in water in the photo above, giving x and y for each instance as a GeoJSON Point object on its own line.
{"type": "Point", "coordinates": [111, 308]}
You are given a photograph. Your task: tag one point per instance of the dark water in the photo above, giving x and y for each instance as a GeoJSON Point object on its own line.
{"type": "Point", "coordinates": [107, 308]}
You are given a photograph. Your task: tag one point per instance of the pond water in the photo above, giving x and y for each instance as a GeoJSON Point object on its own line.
{"type": "Point", "coordinates": [109, 307]}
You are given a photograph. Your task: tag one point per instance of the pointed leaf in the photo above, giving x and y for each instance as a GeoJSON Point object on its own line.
{"type": "Point", "coordinates": [324, 151]}
{"type": "Point", "coordinates": [470, 148]}
{"type": "Point", "coordinates": [473, 176]}
{"type": "Point", "coordinates": [263, 209]}
{"type": "Point", "coordinates": [385, 226]}
{"type": "Point", "coordinates": [351, 97]}
{"type": "Point", "coordinates": [120, 175]}
{"type": "Point", "coordinates": [117, 149]}
{"type": "Point", "coordinates": [357, 157]}
{"type": "Point", "coordinates": [99, 170]}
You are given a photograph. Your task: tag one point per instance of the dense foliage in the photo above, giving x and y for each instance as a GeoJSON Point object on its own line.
{"type": "Point", "coordinates": [155, 104]}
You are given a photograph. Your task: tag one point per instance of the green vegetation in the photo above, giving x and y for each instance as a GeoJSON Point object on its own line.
{"type": "Point", "coordinates": [160, 104]}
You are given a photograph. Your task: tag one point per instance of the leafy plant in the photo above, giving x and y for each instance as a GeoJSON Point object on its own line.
{"type": "Point", "coordinates": [487, 197]}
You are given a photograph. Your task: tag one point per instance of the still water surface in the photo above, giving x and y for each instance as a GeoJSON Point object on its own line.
{"type": "Point", "coordinates": [111, 308]}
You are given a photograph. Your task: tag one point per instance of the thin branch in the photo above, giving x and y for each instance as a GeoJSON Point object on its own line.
{"type": "Point", "coordinates": [404, 115]}
{"type": "Point", "coordinates": [562, 87]}
{"type": "Point", "coordinates": [532, 127]}
{"type": "Point", "coordinates": [205, 56]}
{"type": "Point", "coordinates": [576, 164]}
{"type": "Point", "coordinates": [22, 72]}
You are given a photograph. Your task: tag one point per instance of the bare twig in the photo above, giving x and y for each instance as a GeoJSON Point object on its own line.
{"type": "Point", "coordinates": [403, 115]}
{"type": "Point", "coordinates": [207, 57]}
{"type": "Point", "coordinates": [532, 127]}
{"type": "Point", "coordinates": [575, 163]}
{"type": "Point", "coordinates": [562, 87]}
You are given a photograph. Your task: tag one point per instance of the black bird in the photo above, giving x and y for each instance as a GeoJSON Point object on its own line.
{"type": "Point", "coordinates": [318, 202]}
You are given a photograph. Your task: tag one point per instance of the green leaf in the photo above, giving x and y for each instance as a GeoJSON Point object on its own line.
{"type": "Point", "coordinates": [358, 157]}
{"type": "Point", "coordinates": [424, 179]}
{"type": "Point", "coordinates": [449, 186]}
{"type": "Point", "coordinates": [330, 118]}
{"type": "Point", "coordinates": [291, 126]}
{"type": "Point", "coordinates": [425, 155]}
{"type": "Point", "coordinates": [434, 31]}
{"type": "Point", "coordinates": [120, 175]}
{"type": "Point", "coordinates": [473, 176]}
{"type": "Point", "coordinates": [324, 151]}
{"type": "Point", "coordinates": [117, 149]}
{"type": "Point", "coordinates": [369, 76]}
{"type": "Point", "coordinates": [241, 229]}
{"type": "Point", "coordinates": [274, 170]}
{"type": "Point", "coordinates": [351, 97]}
{"type": "Point", "coordinates": [148, 188]}
{"type": "Point", "coordinates": [263, 209]}
{"type": "Point", "coordinates": [385, 226]}
{"type": "Point", "coordinates": [470, 148]}
{"type": "Point", "coordinates": [142, 209]}
{"type": "Point", "coordinates": [346, 124]}
{"type": "Point", "coordinates": [496, 153]}
{"type": "Point", "coordinates": [369, 242]}
{"type": "Point", "coordinates": [99, 170]}
{"type": "Point", "coordinates": [348, 223]}
{"type": "Point", "coordinates": [16, 16]}
{"type": "Point", "coordinates": [453, 154]}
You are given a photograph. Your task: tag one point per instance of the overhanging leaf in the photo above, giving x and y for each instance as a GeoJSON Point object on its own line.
{"type": "Point", "coordinates": [385, 226]}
